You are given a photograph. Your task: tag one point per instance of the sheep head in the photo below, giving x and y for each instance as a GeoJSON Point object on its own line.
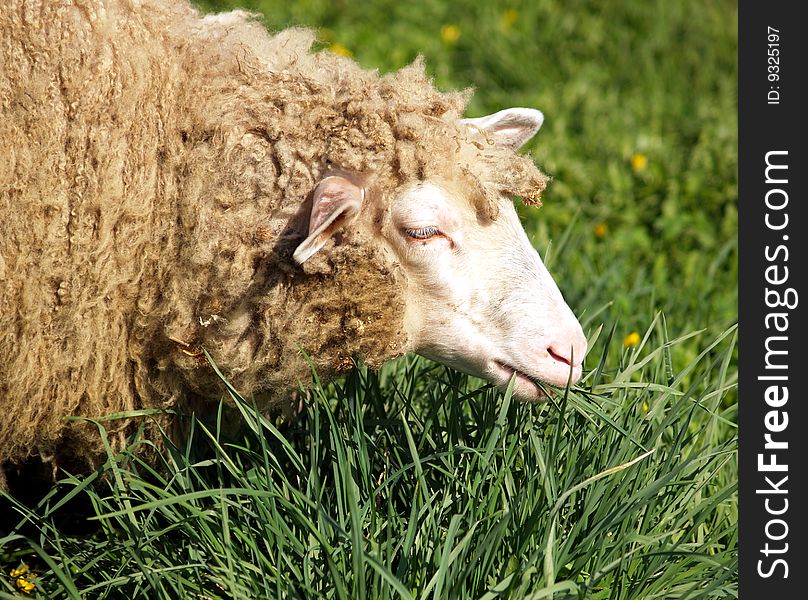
{"type": "Point", "coordinates": [478, 296]}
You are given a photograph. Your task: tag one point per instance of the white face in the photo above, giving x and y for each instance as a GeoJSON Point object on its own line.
{"type": "Point", "coordinates": [480, 298]}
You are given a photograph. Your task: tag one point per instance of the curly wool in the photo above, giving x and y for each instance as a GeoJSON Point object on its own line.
{"type": "Point", "coordinates": [156, 175]}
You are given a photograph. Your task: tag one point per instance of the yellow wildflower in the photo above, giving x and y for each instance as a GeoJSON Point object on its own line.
{"type": "Point", "coordinates": [509, 17]}
{"type": "Point", "coordinates": [338, 48]}
{"type": "Point", "coordinates": [25, 580]}
{"type": "Point", "coordinates": [19, 571]}
{"type": "Point", "coordinates": [645, 407]}
{"type": "Point", "coordinates": [601, 230]}
{"type": "Point", "coordinates": [449, 33]}
{"type": "Point", "coordinates": [632, 339]}
{"type": "Point", "coordinates": [639, 162]}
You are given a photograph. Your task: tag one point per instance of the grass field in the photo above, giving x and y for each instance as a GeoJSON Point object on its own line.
{"type": "Point", "coordinates": [418, 481]}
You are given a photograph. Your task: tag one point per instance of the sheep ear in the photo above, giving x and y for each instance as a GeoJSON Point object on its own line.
{"type": "Point", "coordinates": [511, 128]}
{"type": "Point", "coordinates": [336, 204]}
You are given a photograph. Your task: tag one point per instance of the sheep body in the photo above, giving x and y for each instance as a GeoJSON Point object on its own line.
{"type": "Point", "coordinates": [156, 175]}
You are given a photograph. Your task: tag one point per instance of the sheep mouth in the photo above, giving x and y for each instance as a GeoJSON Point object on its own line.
{"type": "Point", "coordinates": [525, 387]}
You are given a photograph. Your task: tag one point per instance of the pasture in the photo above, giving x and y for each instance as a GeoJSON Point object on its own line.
{"type": "Point", "coordinates": [418, 481]}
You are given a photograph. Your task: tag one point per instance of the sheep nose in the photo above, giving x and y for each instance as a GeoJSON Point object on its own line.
{"type": "Point", "coordinates": [560, 356]}
{"type": "Point", "coordinates": [569, 351]}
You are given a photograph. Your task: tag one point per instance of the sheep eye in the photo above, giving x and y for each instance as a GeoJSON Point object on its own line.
{"type": "Point", "coordinates": [422, 233]}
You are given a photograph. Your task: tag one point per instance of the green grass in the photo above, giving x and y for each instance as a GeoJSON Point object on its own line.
{"type": "Point", "coordinates": [417, 481]}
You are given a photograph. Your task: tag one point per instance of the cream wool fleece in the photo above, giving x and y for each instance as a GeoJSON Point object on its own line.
{"type": "Point", "coordinates": [156, 172]}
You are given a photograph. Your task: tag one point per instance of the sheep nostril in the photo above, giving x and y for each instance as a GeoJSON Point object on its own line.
{"type": "Point", "coordinates": [559, 357]}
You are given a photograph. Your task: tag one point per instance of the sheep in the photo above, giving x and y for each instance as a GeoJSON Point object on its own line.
{"type": "Point", "coordinates": [174, 184]}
